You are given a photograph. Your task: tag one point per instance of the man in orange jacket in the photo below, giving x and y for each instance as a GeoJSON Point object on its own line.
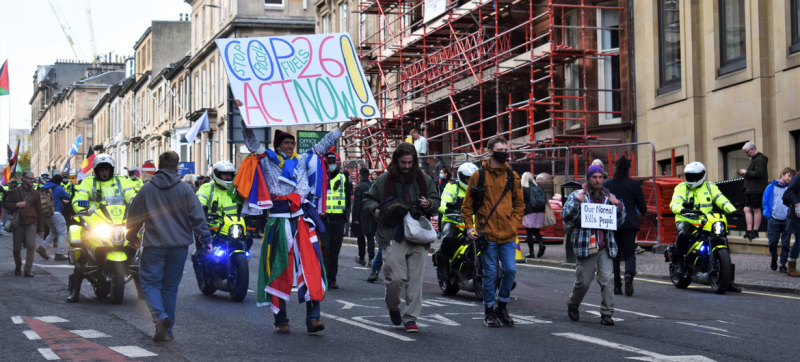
{"type": "Point", "coordinates": [498, 228]}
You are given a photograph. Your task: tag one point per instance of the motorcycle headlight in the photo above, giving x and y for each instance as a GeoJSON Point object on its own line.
{"type": "Point", "coordinates": [235, 231]}
{"type": "Point", "coordinates": [104, 231]}
{"type": "Point", "coordinates": [119, 234]}
{"type": "Point", "coordinates": [718, 228]}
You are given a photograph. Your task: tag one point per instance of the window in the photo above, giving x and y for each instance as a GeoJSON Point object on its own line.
{"type": "Point", "coordinates": [795, 9]}
{"type": "Point", "coordinates": [608, 77]}
{"type": "Point", "coordinates": [384, 25]}
{"type": "Point", "coordinates": [222, 10]}
{"type": "Point", "coordinates": [665, 167]}
{"type": "Point", "coordinates": [669, 46]}
{"type": "Point", "coordinates": [197, 27]}
{"type": "Point", "coordinates": [732, 36]}
{"type": "Point", "coordinates": [213, 91]}
{"type": "Point", "coordinates": [204, 85]}
{"type": "Point", "coordinates": [326, 24]}
{"type": "Point", "coordinates": [196, 97]}
{"type": "Point", "coordinates": [213, 18]}
{"type": "Point", "coordinates": [221, 81]}
{"type": "Point", "coordinates": [342, 17]}
{"type": "Point", "coordinates": [733, 160]}
{"type": "Point", "coordinates": [796, 139]}
{"type": "Point", "coordinates": [273, 2]}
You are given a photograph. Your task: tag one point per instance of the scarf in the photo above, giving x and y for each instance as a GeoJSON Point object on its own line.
{"type": "Point", "coordinates": [249, 187]}
{"type": "Point", "coordinates": [405, 180]}
{"type": "Point", "coordinates": [288, 166]}
{"type": "Point", "coordinates": [290, 255]}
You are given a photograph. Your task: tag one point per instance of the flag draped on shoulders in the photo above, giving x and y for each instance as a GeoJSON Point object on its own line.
{"type": "Point", "coordinates": [250, 188]}
{"type": "Point", "coordinates": [317, 180]}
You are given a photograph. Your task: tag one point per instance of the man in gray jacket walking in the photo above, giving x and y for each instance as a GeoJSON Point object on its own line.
{"type": "Point", "coordinates": [170, 213]}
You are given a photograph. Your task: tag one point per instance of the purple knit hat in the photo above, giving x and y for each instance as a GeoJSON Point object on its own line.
{"type": "Point", "coordinates": [593, 169]}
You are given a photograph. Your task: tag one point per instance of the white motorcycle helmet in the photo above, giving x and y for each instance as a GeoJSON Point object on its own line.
{"type": "Point", "coordinates": [695, 174]}
{"type": "Point", "coordinates": [103, 159]}
{"type": "Point", "coordinates": [220, 168]}
{"type": "Point", "coordinates": [465, 171]}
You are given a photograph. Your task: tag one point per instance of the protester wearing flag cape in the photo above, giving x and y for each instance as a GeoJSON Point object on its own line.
{"type": "Point", "coordinates": [293, 187]}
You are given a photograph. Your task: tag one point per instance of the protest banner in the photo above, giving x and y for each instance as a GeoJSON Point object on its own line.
{"type": "Point", "coordinates": [297, 80]}
{"type": "Point", "coordinates": [598, 216]}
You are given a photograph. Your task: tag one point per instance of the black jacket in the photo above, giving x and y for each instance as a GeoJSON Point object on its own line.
{"type": "Point", "coordinates": [537, 197]}
{"type": "Point", "coordinates": [630, 193]}
{"type": "Point", "coordinates": [367, 222]}
{"type": "Point", "coordinates": [756, 179]}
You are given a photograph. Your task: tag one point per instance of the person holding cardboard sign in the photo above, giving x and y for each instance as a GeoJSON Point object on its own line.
{"type": "Point", "coordinates": [592, 212]}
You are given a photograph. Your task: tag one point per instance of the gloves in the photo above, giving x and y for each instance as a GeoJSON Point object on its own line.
{"type": "Point", "coordinates": [250, 140]}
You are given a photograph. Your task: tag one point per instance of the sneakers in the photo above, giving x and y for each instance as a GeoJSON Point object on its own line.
{"type": "Point", "coordinates": [369, 263]}
{"type": "Point", "coordinates": [282, 328]}
{"type": "Point", "coordinates": [42, 252]}
{"type": "Point", "coordinates": [573, 313]}
{"type": "Point", "coordinates": [315, 326]}
{"type": "Point", "coordinates": [606, 320]}
{"type": "Point", "coordinates": [530, 255]}
{"type": "Point", "coordinates": [502, 314]}
{"type": "Point", "coordinates": [639, 250]}
{"type": "Point", "coordinates": [161, 329]}
{"type": "Point", "coordinates": [169, 337]}
{"type": "Point", "coordinates": [361, 261]}
{"type": "Point", "coordinates": [411, 327]}
{"type": "Point", "coordinates": [774, 263]}
{"type": "Point", "coordinates": [628, 285]}
{"type": "Point", "coordinates": [395, 316]}
{"type": "Point", "coordinates": [60, 257]}
{"type": "Point", "coordinates": [373, 277]}
{"type": "Point", "coordinates": [490, 319]}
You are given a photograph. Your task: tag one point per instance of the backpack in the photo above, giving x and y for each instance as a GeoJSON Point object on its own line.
{"type": "Point", "coordinates": [537, 198]}
{"type": "Point", "coordinates": [479, 190]}
{"type": "Point", "coordinates": [46, 197]}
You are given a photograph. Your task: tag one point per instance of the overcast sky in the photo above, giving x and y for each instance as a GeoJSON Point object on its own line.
{"type": "Point", "coordinates": [30, 35]}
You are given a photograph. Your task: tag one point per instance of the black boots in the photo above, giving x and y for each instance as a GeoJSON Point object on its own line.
{"type": "Point", "coordinates": [541, 249]}
{"type": "Point", "coordinates": [502, 314]}
{"type": "Point", "coordinates": [74, 288]}
{"type": "Point", "coordinates": [490, 319]}
{"type": "Point", "coordinates": [18, 263]}
{"type": "Point", "coordinates": [774, 263]}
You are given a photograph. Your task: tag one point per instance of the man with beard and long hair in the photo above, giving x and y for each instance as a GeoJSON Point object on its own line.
{"type": "Point", "coordinates": [409, 190]}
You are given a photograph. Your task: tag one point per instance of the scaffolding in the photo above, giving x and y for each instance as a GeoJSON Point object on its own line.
{"type": "Point", "coordinates": [521, 69]}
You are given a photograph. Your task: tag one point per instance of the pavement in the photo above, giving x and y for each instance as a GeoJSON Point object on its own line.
{"type": "Point", "coordinates": [752, 271]}
{"type": "Point", "coordinates": [658, 323]}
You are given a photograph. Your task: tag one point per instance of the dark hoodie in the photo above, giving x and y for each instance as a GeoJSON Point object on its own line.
{"type": "Point", "coordinates": [169, 211]}
{"type": "Point", "coordinates": [59, 195]}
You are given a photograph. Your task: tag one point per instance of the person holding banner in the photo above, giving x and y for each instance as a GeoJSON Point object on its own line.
{"type": "Point", "coordinates": [296, 186]}
{"type": "Point", "coordinates": [592, 212]}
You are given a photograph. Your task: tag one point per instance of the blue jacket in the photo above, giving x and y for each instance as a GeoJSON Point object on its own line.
{"type": "Point", "coordinates": [58, 195]}
{"type": "Point", "coordinates": [772, 207]}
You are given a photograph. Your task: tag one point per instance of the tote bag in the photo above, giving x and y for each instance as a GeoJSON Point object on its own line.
{"type": "Point", "coordinates": [419, 230]}
{"type": "Point", "coordinates": [549, 216]}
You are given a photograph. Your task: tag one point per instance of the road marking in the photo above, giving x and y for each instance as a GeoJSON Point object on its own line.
{"type": "Point", "coordinates": [58, 266]}
{"type": "Point", "coordinates": [653, 355]}
{"type": "Point", "coordinates": [17, 319]}
{"type": "Point", "coordinates": [548, 267]}
{"type": "Point", "coordinates": [133, 351]}
{"type": "Point", "coordinates": [364, 319]}
{"type": "Point", "coordinates": [361, 268]}
{"type": "Point", "coordinates": [348, 305]}
{"type": "Point", "coordinates": [251, 291]}
{"type": "Point", "coordinates": [626, 311]}
{"type": "Point", "coordinates": [702, 326]}
{"type": "Point", "coordinates": [703, 287]}
{"type": "Point", "coordinates": [68, 345]}
{"type": "Point", "coordinates": [369, 328]}
{"type": "Point", "coordinates": [715, 333]}
{"type": "Point", "coordinates": [597, 314]}
{"type": "Point", "coordinates": [31, 335]}
{"type": "Point", "coordinates": [90, 333]}
{"type": "Point", "coordinates": [463, 313]}
{"type": "Point", "coordinates": [48, 354]}
{"type": "Point", "coordinates": [440, 319]}
{"type": "Point", "coordinates": [524, 319]}
{"type": "Point", "coordinates": [722, 321]}
{"type": "Point", "coordinates": [51, 319]}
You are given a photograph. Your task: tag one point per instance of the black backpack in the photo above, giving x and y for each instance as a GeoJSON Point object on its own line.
{"type": "Point", "coordinates": [479, 190]}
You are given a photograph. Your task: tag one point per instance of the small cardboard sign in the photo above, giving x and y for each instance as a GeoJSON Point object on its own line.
{"type": "Point", "coordinates": [598, 216]}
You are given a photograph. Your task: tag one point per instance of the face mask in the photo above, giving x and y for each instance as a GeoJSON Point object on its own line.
{"type": "Point", "coordinates": [332, 168]}
{"type": "Point", "coordinates": [500, 157]}
{"type": "Point", "coordinates": [441, 176]}
{"type": "Point", "coordinates": [284, 155]}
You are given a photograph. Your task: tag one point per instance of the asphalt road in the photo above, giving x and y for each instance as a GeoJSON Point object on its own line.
{"type": "Point", "coordinates": [659, 323]}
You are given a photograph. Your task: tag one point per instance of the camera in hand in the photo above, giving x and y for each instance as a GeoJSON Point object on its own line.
{"type": "Point", "coordinates": [415, 210]}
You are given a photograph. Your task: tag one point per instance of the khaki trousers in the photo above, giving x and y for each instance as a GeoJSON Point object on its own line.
{"type": "Point", "coordinates": [585, 269]}
{"type": "Point", "coordinates": [404, 263]}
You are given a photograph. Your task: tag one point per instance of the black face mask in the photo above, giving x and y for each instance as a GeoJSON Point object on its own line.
{"type": "Point", "coordinates": [500, 157]}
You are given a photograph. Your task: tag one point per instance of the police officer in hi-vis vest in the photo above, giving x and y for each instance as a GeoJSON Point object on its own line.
{"type": "Point", "coordinates": [336, 213]}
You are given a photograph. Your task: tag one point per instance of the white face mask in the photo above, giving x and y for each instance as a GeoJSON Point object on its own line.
{"type": "Point", "coordinates": [332, 168]}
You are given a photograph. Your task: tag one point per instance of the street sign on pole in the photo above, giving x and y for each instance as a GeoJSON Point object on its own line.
{"type": "Point", "coordinates": [149, 167]}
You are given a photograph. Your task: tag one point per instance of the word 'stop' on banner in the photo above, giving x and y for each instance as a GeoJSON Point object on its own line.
{"type": "Point", "coordinates": [297, 80]}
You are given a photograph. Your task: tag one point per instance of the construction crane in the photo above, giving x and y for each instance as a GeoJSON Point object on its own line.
{"type": "Point", "coordinates": [67, 30]}
{"type": "Point", "coordinates": [91, 29]}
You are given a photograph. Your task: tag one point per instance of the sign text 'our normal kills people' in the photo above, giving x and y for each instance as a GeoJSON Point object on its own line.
{"type": "Point", "coordinates": [297, 80]}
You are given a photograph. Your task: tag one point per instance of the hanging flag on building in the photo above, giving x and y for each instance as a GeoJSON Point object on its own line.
{"type": "Point", "coordinates": [76, 145]}
{"type": "Point", "coordinates": [66, 166]}
{"type": "Point", "coordinates": [4, 79]}
{"type": "Point", "coordinates": [86, 167]}
{"type": "Point", "coordinates": [201, 125]}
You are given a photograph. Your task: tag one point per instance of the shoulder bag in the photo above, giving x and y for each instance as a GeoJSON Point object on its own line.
{"type": "Point", "coordinates": [13, 219]}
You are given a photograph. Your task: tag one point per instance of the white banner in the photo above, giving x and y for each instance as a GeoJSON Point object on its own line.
{"type": "Point", "coordinates": [434, 8]}
{"type": "Point", "coordinates": [598, 216]}
{"type": "Point", "coordinates": [297, 80]}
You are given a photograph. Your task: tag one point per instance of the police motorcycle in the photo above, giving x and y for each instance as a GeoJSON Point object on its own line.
{"type": "Point", "coordinates": [99, 250]}
{"type": "Point", "coordinates": [226, 267]}
{"type": "Point", "coordinates": [708, 260]}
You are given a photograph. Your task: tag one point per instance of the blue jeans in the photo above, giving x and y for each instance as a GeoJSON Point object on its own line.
{"type": "Point", "coordinates": [160, 274]}
{"type": "Point", "coordinates": [312, 312]}
{"type": "Point", "coordinates": [507, 254]}
{"type": "Point", "coordinates": [777, 229]}
{"type": "Point", "coordinates": [378, 262]}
